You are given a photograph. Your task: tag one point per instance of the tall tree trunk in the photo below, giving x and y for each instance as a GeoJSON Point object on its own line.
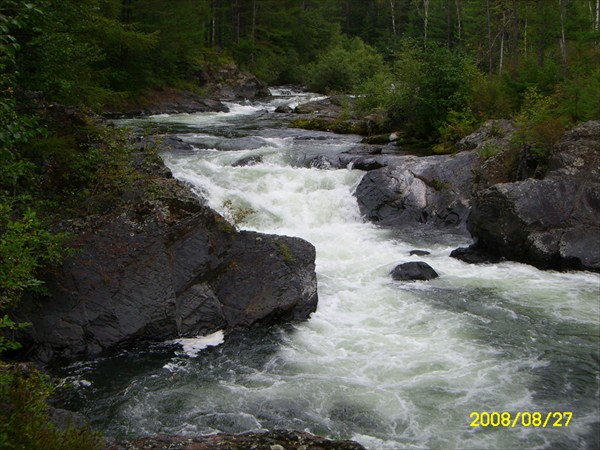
{"type": "Point", "coordinates": [253, 32]}
{"type": "Point", "coordinates": [515, 37]}
{"type": "Point", "coordinates": [393, 11]}
{"type": "Point", "coordinates": [425, 21]}
{"type": "Point", "coordinates": [213, 22]}
{"type": "Point", "coordinates": [458, 20]}
{"type": "Point", "coordinates": [541, 44]}
{"type": "Point", "coordinates": [501, 63]}
{"type": "Point", "coordinates": [597, 25]}
{"type": "Point", "coordinates": [489, 35]}
{"type": "Point", "coordinates": [448, 25]}
{"type": "Point", "coordinates": [563, 40]}
{"type": "Point", "coordinates": [126, 13]}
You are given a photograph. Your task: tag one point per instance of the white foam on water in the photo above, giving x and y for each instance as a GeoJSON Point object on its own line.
{"type": "Point", "coordinates": [193, 346]}
{"type": "Point", "coordinates": [393, 365]}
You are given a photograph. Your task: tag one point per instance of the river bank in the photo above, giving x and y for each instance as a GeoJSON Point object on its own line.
{"type": "Point", "coordinates": [384, 363]}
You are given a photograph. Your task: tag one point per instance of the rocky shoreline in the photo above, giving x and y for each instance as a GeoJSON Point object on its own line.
{"type": "Point", "coordinates": [167, 266]}
{"type": "Point", "coordinates": [270, 440]}
{"type": "Point", "coordinates": [161, 268]}
{"type": "Point", "coordinates": [513, 206]}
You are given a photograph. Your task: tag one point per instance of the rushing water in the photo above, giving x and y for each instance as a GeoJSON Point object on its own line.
{"type": "Point", "coordinates": [389, 364]}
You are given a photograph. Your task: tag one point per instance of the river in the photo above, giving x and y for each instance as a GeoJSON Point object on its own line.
{"type": "Point", "coordinates": [391, 365]}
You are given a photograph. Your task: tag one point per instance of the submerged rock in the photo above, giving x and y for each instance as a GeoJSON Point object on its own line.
{"type": "Point", "coordinates": [284, 109]}
{"type": "Point", "coordinates": [414, 271]}
{"type": "Point", "coordinates": [251, 160]}
{"type": "Point", "coordinates": [268, 440]}
{"type": "Point", "coordinates": [419, 253]}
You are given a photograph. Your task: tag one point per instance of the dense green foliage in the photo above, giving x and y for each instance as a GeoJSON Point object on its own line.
{"type": "Point", "coordinates": [24, 422]}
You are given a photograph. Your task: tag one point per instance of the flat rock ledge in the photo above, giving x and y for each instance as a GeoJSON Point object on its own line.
{"type": "Point", "coordinates": [270, 440]}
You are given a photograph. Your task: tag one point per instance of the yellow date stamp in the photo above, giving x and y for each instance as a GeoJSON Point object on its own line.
{"type": "Point", "coordinates": [521, 419]}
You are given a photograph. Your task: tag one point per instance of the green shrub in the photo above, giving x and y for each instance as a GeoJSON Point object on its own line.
{"type": "Point", "coordinates": [488, 150]}
{"type": "Point", "coordinates": [24, 420]}
{"type": "Point", "coordinates": [344, 66]}
{"type": "Point", "coordinates": [539, 125]}
{"type": "Point", "coordinates": [427, 85]}
{"type": "Point", "coordinates": [490, 98]}
{"type": "Point", "coordinates": [288, 256]}
{"type": "Point", "coordinates": [458, 125]}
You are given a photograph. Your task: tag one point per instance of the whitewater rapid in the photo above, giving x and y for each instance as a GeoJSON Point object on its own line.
{"type": "Point", "coordinates": [389, 364]}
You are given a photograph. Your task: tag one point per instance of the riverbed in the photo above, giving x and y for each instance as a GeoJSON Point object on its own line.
{"type": "Point", "coordinates": [389, 364]}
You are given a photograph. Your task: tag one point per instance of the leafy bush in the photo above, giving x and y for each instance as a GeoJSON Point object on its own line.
{"type": "Point", "coordinates": [490, 98]}
{"type": "Point", "coordinates": [539, 125]}
{"type": "Point", "coordinates": [424, 86]}
{"type": "Point", "coordinates": [578, 98]}
{"type": "Point", "coordinates": [24, 420]}
{"type": "Point", "coordinates": [488, 150]}
{"type": "Point", "coordinates": [376, 93]}
{"type": "Point", "coordinates": [459, 125]}
{"type": "Point", "coordinates": [342, 68]}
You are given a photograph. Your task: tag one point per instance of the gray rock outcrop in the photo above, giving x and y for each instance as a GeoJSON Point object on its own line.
{"type": "Point", "coordinates": [552, 223]}
{"type": "Point", "coordinates": [410, 190]}
{"type": "Point", "coordinates": [164, 268]}
{"type": "Point", "coordinates": [228, 82]}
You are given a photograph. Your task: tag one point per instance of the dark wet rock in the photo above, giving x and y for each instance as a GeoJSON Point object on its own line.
{"type": "Point", "coordinates": [322, 162]}
{"type": "Point", "coordinates": [367, 164]}
{"type": "Point", "coordinates": [268, 279]}
{"type": "Point", "coordinates": [414, 271]}
{"type": "Point", "coordinates": [166, 142]}
{"type": "Point", "coordinates": [267, 440]}
{"type": "Point", "coordinates": [419, 253]}
{"type": "Point", "coordinates": [434, 190]}
{"type": "Point", "coordinates": [473, 255]}
{"type": "Point", "coordinates": [284, 109]}
{"type": "Point", "coordinates": [226, 144]}
{"type": "Point", "coordinates": [64, 419]}
{"type": "Point", "coordinates": [161, 268]}
{"type": "Point", "coordinates": [248, 161]}
{"type": "Point", "coordinates": [335, 114]}
{"type": "Point", "coordinates": [328, 107]}
{"type": "Point", "coordinates": [169, 101]}
{"type": "Point", "coordinates": [577, 155]}
{"type": "Point", "coordinates": [228, 82]}
{"type": "Point", "coordinates": [553, 223]}
{"type": "Point", "coordinates": [380, 138]}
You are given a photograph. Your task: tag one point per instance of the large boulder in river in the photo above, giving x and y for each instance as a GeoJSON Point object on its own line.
{"type": "Point", "coordinates": [163, 268]}
{"type": "Point", "coordinates": [413, 271]}
{"type": "Point", "coordinates": [411, 190]}
{"type": "Point", "coordinates": [552, 223]}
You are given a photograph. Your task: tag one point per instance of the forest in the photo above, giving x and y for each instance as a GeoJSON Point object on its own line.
{"type": "Point", "coordinates": [432, 69]}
